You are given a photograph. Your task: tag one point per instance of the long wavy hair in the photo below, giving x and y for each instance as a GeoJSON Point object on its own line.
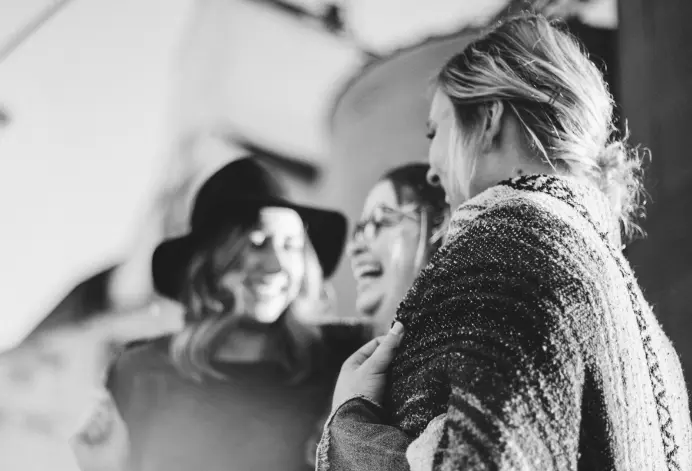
{"type": "Point", "coordinates": [213, 310]}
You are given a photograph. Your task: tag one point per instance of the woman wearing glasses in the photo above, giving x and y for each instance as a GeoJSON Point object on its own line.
{"type": "Point", "coordinates": [400, 228]}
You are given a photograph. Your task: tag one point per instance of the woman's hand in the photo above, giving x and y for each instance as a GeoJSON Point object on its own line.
{"type": "Point", "coordinates": [365, 372]}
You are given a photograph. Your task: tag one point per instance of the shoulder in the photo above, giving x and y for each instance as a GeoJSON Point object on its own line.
{"type": "Point", "coordinates": [503, 211]}
{"type": "Point", "coordinates": [146, 360]}
{"type": "Point", "coordinates": [144, 357]}
{"type": "Point", "coordinates": [512, 248]}
{"type": "Point", "coordinates": [524, 229]}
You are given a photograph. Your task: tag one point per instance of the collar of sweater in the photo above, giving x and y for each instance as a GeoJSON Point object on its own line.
{"type": "Point", "coordinates": [552, 190]}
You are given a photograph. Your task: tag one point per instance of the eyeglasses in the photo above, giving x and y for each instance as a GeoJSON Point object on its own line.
{"type": "Point", "coordinates": [383, 216]}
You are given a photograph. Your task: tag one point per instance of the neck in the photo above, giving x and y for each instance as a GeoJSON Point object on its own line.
{"type": "Point", "coordinates": [510, 165]}
{"type": "Point", "coordinates": [245, 346]}
{"type": "Point", "coordinates": [510, 156]}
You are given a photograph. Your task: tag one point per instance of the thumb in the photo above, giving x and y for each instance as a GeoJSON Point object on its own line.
{"type": "Point", "coordinates": [384, 354]}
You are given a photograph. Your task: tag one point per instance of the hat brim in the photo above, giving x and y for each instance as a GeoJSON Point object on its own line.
{"type": "Point", "coordinates": [326, 229]}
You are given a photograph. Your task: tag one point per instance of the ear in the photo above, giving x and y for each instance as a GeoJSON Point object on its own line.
{"type": "Point", "coordinates": [492, 124]}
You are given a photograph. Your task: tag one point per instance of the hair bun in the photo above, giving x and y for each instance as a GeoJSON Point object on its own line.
{"type": "Point", "coordinates": [620, 169]}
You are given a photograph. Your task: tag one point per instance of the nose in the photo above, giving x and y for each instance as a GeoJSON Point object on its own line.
{"type": "Point", "coordinates": [433, 178]}
{"type": "Point", "coordinates": [270, 262]}
{"type": "Point", "coordinates": [356, 245]}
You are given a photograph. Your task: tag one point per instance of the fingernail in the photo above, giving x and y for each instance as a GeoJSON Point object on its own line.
{"type": "Point", "coordinates": [397, 328]}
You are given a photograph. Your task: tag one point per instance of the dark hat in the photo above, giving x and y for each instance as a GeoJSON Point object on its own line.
{"type": "Point", "coordinates": [241, 186]}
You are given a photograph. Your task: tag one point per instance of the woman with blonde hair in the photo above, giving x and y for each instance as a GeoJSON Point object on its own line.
{"type": "Point", "coordinates": [527, 342]}
{"type": "Point", "coordinates": [241, 386]}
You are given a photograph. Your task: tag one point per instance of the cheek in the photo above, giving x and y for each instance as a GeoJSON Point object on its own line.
{"type": "Point", "coordinates": [248, 262]}
{"type": "Point", "coordinates": [438, 156]}
{"type": "Point", "coordinates": [398, 252]}
{"type": "Point", "coordinates": [294, 265]}
{"type": "Point", "coordinates": [401, 247]}
{"type": "Point", "coordinates": [381, 246]}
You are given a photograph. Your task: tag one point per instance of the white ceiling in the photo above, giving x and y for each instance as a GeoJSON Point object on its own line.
{"type": "Point", "coordinates": [87, 95]}
{"type": "Point", "coordinates": [94, 111]}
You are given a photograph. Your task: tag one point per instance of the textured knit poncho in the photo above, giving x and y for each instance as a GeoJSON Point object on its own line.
{"type": "Point", "coordinates": [529, 345]}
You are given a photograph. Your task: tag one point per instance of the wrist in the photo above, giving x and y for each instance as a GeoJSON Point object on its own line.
{"type": "Point", "coordinates": [336, 404]}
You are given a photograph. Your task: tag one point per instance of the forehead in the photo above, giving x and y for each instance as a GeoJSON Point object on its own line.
{"type": "Point", "coordinates": [382, 194]}
{"type": "Point", "coordinates": [441, 107]}
{"type": "Point", "coordinates": [277, 219]}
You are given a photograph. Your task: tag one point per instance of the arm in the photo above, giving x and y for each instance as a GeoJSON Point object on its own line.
{"type": "Point", "coordinates": [27, 441]}
{"type": "Point", "coordinates": [356, 436]}
{"type": "Point", "coordinates": [103, 444]}
{"type": "Point", "coordinates": [49, 383]}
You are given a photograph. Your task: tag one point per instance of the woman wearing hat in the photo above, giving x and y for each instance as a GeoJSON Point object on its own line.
{"type": "Point", "coordinates": [244, 382]}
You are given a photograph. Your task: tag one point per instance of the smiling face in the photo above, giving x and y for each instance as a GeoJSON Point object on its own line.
{"type": "Point", "coordinates": [273, 265]}
{"type": "Point", "coordinates": [385, 244]}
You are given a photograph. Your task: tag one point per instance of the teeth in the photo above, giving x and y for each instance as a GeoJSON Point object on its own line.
{"type": "Point", "coordinates": [270, 288]}
{"type": "Point", "coordinates": [362, 270]}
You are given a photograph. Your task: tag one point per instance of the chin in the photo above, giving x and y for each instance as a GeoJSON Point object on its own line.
{"type": "Point", "coordinates": [268, 314]}
{"type": "Point", "coordinates": [367, 306]}
{"type": "Point", "coordinates": [268, 317]}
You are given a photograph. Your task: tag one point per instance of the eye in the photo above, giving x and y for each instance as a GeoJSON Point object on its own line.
{"type": "Point", "coordinates": [294, 243]}
{"type": "Point", "coordinates": [430, 135]}
{"type": "Point", "coordinates": [258, 238]}
{"type": "Point", "coordinates": [378, 216]}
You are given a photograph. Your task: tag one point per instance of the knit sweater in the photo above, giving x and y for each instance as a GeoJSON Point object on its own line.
{"type": "Point", "coordinates": [529, 339]}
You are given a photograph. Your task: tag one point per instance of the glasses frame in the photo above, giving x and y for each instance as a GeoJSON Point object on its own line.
{"type": "Point", "coordinates": [368, 229]}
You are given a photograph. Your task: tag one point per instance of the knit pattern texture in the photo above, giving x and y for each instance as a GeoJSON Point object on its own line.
{"type": "Point", "coordinates": [529, 331]}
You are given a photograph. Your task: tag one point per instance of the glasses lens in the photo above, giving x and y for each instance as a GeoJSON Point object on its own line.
{"type": "Point", "coordinates": [381, 217]}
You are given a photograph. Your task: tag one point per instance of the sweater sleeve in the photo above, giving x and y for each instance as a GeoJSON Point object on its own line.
{"type": "Point", "coordinates": [507, 319]}
{"type": "Point", "coordinates": [355, 437]}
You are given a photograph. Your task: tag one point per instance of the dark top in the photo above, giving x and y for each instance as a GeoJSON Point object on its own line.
{"type": "Point", "coordinates": [255, 420]}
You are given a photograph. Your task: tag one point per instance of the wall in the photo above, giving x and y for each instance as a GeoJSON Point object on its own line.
{"type": "Point", "coordinates": [656, 73]}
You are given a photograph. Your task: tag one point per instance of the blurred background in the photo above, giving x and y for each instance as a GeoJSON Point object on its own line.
{"type": "Point", "coordinates": [106, 107]}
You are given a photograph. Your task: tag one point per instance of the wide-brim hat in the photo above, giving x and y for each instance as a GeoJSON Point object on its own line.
{"type": "Point", "coordinates": [241, 187]}
{"type": "Point", "coordinates": [379, 119]}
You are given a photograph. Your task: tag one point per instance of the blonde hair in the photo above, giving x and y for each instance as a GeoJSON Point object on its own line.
{"type": "Point", "coordinates": [560, 100]}
{"type": "Point", "coordinates": [212, 310]}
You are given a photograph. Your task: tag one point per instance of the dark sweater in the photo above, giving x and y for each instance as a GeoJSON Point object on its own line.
{"type": "Point", "coordinates": [530, 336]}
{"type": "Point", "coordinates": [253, 421]}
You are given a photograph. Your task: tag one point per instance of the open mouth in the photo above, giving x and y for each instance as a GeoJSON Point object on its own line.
{"type": "Point", "coordinates": [368, 271]}
{"type": "Point", "coordinates": [269, 288]}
